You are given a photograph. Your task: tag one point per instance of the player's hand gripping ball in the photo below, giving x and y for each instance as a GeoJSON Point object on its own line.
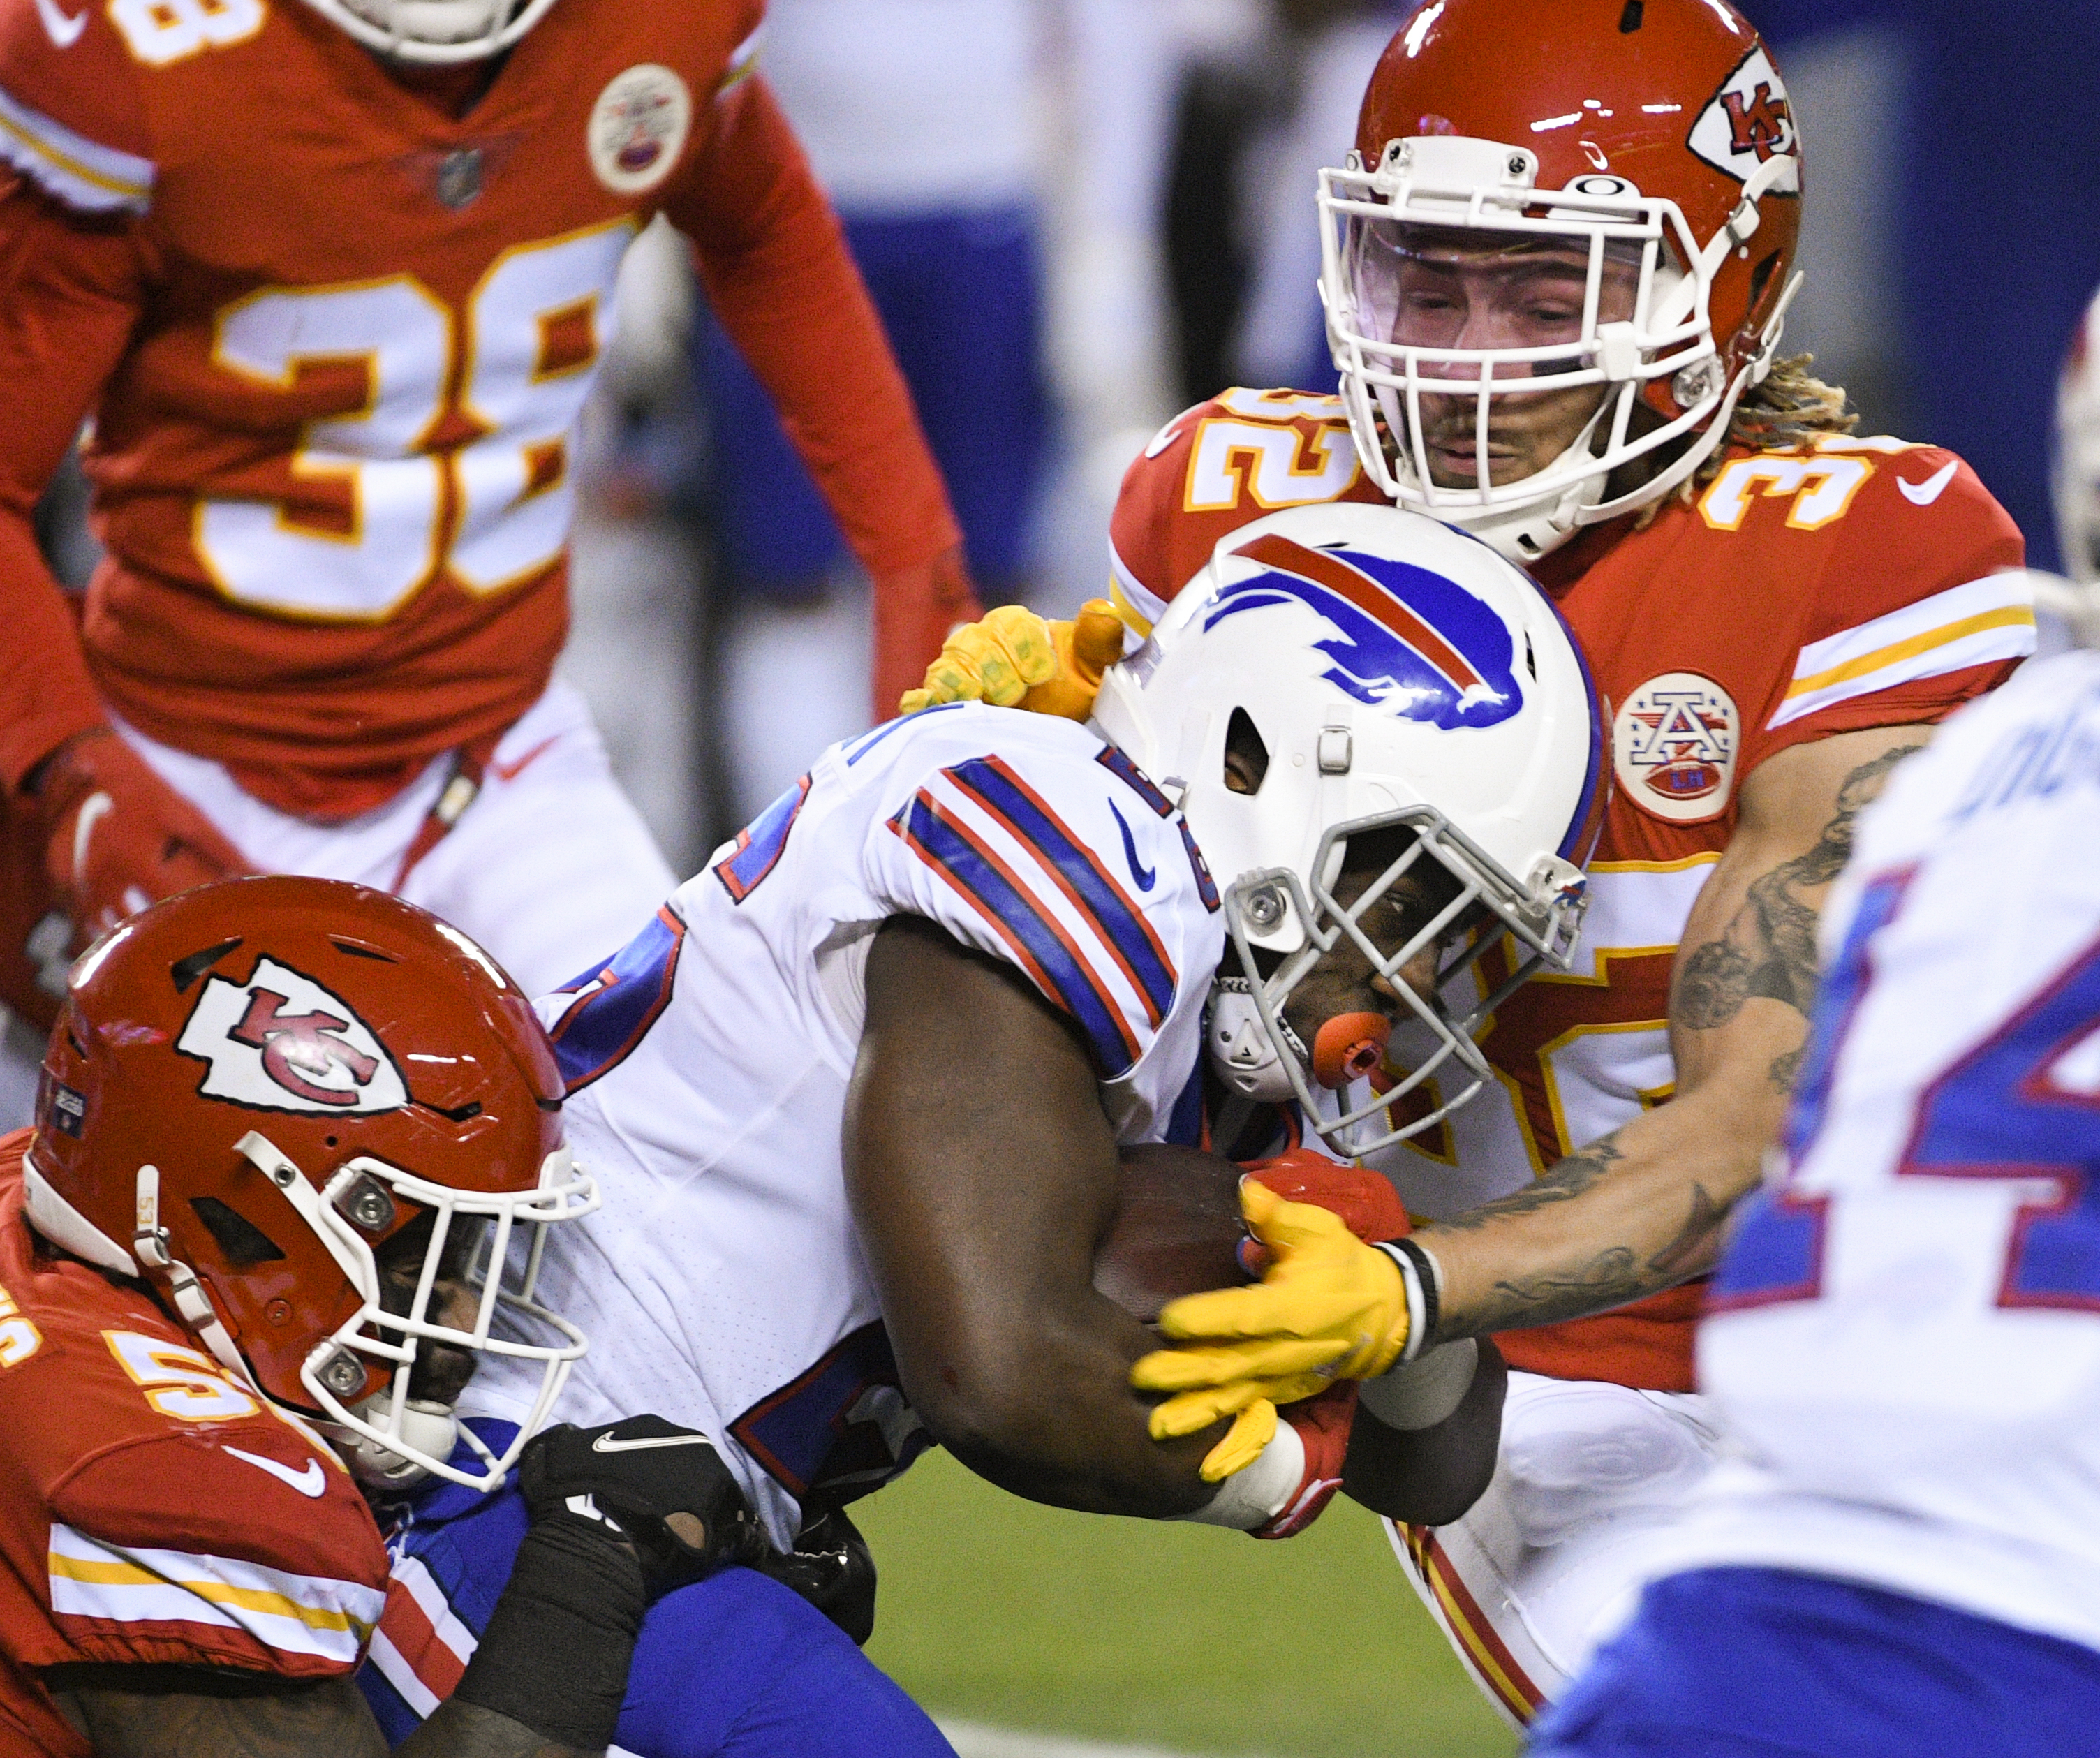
{"type": "Point", "coordinates": [1329, 1308]}
{"type": "Point", "coordinates": [1014, 659]}
{"type": "Point", "coordinates": [664, 1487]}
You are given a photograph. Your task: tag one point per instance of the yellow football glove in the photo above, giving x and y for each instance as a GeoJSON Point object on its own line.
{"type": "Point", "coordinates": [1013, 659]}
{"type": "Point", "coordinates": [1330, 1308]}
{"type": "Point", "coordinates": [1252, 1429]}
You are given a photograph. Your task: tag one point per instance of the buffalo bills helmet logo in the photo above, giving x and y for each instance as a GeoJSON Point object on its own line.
{"type": "Point", "coordinates": [1406, 638]}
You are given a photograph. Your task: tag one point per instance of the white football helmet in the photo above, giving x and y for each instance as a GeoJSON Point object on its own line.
{"type": "Point", "coordinates": [1397, 673]}
{"type": "Point", "coordinates": [2076, 464]}
{"type": "Point", "coordinates": [434, 30]}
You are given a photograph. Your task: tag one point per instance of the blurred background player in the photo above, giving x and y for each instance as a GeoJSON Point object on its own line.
{"type": "Point", "coordinates": [1896, 1554]}
{"type": "Point", "coordinates": [334, 371]}
{"type": "Point", "coordinates": [857, 1092]}
{"type": "Point", "coordinates": [960, 140]}
{"type": "Point", "coordinates": [211, 1287]}
{"type": "Point", "coordinates": [1778, 609]}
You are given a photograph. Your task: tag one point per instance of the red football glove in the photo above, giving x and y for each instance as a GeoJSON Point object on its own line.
{"type": "Point", "coordinates": [1323, 1422]}
{"type": "Point", "coordinates": [115, 837]}
{"type": "Point", "coordinates": [915, 608]}
{"type": "Point", "coordinates": [1367, 1203]}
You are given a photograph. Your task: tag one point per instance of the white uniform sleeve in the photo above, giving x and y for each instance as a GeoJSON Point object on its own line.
{"type": "Point", "coordinates": [1078, 870]}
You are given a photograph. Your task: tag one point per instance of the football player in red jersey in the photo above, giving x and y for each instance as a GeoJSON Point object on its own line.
{"type": "Point", "coordinates": [1608, 195]}
{"type": "Point", "coordinates": [237, 1295]}
{"type": "Point", "coordinates": [332, 278]}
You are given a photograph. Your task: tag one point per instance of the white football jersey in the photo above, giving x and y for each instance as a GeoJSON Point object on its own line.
{"type": "Point", "coordinates": [1904, 1337]}
{"type": "Point", "coordinates": [722, 1284]}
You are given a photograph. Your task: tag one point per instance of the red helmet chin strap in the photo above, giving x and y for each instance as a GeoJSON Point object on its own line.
{"type": "Point", "coordinates": [1348, 1047]}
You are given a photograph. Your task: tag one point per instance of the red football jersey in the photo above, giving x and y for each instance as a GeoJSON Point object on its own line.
{"type": "Point", "coordinates": [152, 1508]}
{"type": "Point", "coordinates": [336, 341]}
{"type": "Point", "coordinates": [1850, 584]}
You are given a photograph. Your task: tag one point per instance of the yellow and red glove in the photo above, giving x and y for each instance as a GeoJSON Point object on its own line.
{"type": "Point", "coordinates": [1323, 1422]}
{"type": "Point", "coordinates": [1330, 1307]}
{"type": "Point", "coordinates": [115, 837]}
{"type": "Point", "coordinates": [1013, 658]}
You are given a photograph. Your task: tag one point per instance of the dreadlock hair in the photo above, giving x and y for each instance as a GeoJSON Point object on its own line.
{"type": "Point", "coordinates": [1789, 411]}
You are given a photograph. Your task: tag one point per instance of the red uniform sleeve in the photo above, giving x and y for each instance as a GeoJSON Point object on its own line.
{"type": "Point", "coordinates": [228, 1547]}
{"type": "Point", "coordinates": [1215, 468]}
{"type": "Point", "coordinates": [1919, 607]}
{"type": "Point", "coordinates": [774, 265]}
{"type": "Point", "coordinates": [68, 297]}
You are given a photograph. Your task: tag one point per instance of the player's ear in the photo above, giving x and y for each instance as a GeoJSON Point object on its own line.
{"type": "Point", "coordinates": [1246, 755]}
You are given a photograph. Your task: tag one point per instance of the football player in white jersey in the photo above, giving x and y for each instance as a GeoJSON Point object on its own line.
{"type": "Point", "coordinates": [1899, 1554]}
{"type": "Point", "coordinates": [1902, 1552]}
{"type": "Point", "coordinates": [856, 1096]}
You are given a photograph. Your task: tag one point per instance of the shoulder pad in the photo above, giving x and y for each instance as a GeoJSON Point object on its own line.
{"type": "Point", "coordinates": [72, 120]}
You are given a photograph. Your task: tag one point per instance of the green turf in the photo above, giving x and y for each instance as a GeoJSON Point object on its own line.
{"type": "Point", "coordinates": [995, 1610]}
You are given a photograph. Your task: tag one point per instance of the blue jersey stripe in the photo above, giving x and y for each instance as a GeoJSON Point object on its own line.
{"type": "Point", "coordinates": [1118, 763]}
{"type": "Point", "coordinates": [1107, 905]}
{"type": "Point", "coordinates": [1035, 937]}
{"type": "Point", "coordinates": [870, 741]}
{"type": "Point", "coordinates": [759, 848]}
{"type": "Point", "coordinates": [618, 1004]}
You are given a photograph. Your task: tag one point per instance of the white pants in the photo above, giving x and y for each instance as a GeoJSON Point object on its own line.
{"type": "Point", "coordinates": [1551, 1559]}
{"type": "Point", "coordinates": [551, 868]}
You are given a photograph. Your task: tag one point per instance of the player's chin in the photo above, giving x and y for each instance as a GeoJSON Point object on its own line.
{"type": "Point", "coordinates": [441, 1372]}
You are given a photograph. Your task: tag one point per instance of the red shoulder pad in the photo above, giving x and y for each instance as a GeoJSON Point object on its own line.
{"type": "Point", "coordinates": [241, 1546]}
{"type": "Point", "coordinates": [1213, 469]}
{"type": "Point", "coordinates": [1918, 606]}
{"type": "Point", "coordinates": [72, 117]}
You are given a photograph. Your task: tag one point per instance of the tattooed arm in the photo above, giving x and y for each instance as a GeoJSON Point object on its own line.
{"type": "Point", "coordinates": [1643, 1209]}
{"type": "Point", "coordinates": [164, 1711]}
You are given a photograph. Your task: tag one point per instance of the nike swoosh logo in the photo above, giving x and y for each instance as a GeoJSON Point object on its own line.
{"type": "Point", "coordinates": [604, 1443]}
{"type": "Point", "coordinates": [62, 30]}
{"type": "Point", "coordinates": [309, 1483]}
{"type": "Point", "coordinates": [1925, 493]}
{"type": "Point", "coordinates": [1143, 874]}
{"type": "Point", "coordinates": [512, 771]}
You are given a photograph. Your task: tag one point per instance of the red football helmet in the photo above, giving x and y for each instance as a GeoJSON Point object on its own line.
{"type": "Point", "coordinates": [1646, 150]}
{"type": "Point", "coordinates": [252, 1088]}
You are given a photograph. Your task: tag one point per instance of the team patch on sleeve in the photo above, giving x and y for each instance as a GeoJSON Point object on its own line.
{"type": "Point", "coordinates": [106, 1596]}
{"type": "Point", "coordinates": [81, 173]}
{"type": "Point", "coordinates": [1985, 622]}
{"type": "Point", "coordinates": [1048, 899]}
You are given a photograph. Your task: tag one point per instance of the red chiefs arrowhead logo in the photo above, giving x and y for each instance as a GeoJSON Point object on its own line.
{"type": "Point", "coordinates": [279, 1041]}
{"type": "Point", "coordinates": [1759, 123]}
{"type": "Point", "coordinates": [1749, 119]}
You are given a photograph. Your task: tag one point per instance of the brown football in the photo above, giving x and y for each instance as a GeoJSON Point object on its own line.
{"type": "Point", "coordinates": [1175, 1232]}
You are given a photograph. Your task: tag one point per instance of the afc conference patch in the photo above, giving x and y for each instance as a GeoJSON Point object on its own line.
{"type": "Point", "coordinates": [1674, 745]}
